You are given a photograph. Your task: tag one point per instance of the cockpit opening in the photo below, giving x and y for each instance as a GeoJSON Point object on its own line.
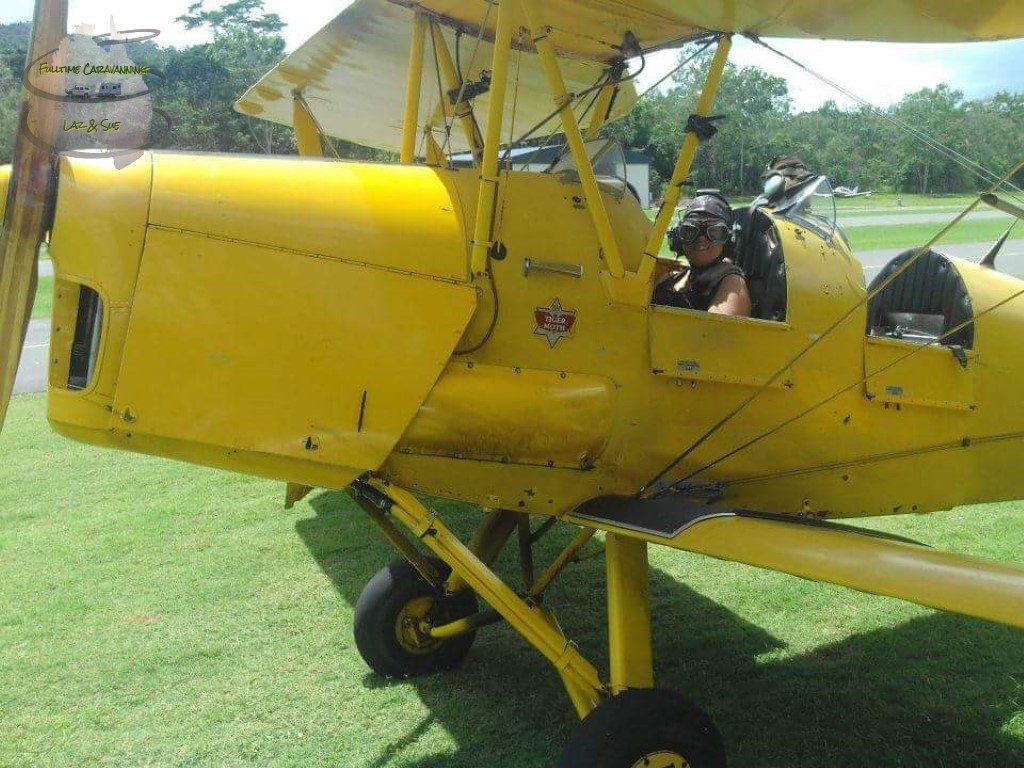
{"type": "Point", "coordinates": [923, 304]}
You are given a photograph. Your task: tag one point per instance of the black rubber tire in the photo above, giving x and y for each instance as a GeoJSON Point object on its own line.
{"type": "Point", "coordinates": [379, 606]}
{"type": "Point", "coordinates": [625, 728]}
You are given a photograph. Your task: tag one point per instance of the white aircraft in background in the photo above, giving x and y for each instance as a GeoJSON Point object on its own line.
{"type": "Point", "coordinates": [850, 192]}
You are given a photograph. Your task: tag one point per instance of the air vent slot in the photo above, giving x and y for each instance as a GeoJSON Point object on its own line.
{"type": "Point", "coordinates": [86, 344]}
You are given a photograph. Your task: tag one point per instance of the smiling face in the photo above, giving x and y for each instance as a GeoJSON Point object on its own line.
{"type": "Point", "coordinates": [703, 251]}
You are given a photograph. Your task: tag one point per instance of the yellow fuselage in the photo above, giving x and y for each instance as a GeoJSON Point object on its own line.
{"type": "Point", "coordinates": [311, 321]}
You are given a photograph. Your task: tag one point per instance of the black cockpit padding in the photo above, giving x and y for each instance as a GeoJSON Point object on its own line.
{"type": "Point", "coordinates": [930, 286]}
{"type": "Point", "coordinates": [760, 257]}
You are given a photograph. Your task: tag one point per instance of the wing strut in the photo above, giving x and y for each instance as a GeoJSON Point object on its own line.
{"type": "Point", "coordinates": [453, 82]}
{"type": "Point", "coordinates": [684, 162]}
{"type": "Point", "coordinates": [488, 196]}
{"type": "Point", "coordinates": [546, 51]}
{"type": "Point", "coordinates": [413, 86]}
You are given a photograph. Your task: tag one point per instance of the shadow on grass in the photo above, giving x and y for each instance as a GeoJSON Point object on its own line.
{"type": "Point", "coordinates": [933, 690]}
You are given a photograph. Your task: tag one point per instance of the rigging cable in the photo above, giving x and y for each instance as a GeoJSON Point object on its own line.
{"type": "Point", "coordinates": [825, 334]}
{"type": "Point", "coordinates": [440, 88]}
{"type": "Point", "coordinates": [863, 380]}
{"type": "Point", "coordinates": [957, 157]}
{"type": "Point", "coordinates": [605, 79]}
{"type": "Point", "coordinates": [462, 82]}
{"type": "Point", "coordinates": [490, 273]}
{"type": "Point", "coordinates": [708, 40]}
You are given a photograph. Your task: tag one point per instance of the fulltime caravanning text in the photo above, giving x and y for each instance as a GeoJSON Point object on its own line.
{"type": "Point", "coordinates": [93, 69]}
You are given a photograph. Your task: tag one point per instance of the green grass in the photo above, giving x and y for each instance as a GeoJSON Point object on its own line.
{"type": "Point", "coordinates": [43, 306]}
{"type": "Point", "coordinates": [878, 237]}
{"type": "Point", "coordinates": [870, 238]}
{"type": "Point", "coordinates": [157, 614]}
{"type": "Point", "coordinates": [892, 203]}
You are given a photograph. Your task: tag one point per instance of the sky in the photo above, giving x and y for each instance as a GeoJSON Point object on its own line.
{"type": "Point", "coordinates": [880, 73]}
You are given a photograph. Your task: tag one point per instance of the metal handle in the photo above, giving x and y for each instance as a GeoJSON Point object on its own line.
{"type": "Point", "coordinates": [558, 267]}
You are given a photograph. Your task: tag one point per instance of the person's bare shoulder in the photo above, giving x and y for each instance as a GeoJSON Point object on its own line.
{"type": "Point", "coordinates": [732, 298]}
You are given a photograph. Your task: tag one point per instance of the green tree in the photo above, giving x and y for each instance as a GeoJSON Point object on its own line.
{"type": "Point", "coordinates": [10, 101]}
{"type": "Point", "coordinates": [202, 82]}
{"type": "Point", "coordinates": [13, 52]}
{"type": "Point", "coordinates": [940, 114]}
{"type": "Point", "coordinates": [756, 106]}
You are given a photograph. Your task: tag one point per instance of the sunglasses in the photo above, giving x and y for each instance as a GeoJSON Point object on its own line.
{"type": "Point", "coordinates": [717, 232]}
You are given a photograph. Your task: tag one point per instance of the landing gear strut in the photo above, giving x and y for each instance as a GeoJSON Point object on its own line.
{"type": "Point", "coordinates": [416, 616]}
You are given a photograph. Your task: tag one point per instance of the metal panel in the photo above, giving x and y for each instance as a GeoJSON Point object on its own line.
{"type": "Point", "coordinates": [281, 354]}
{"type": "Point", "coordinates": [909, 375]}
{"type": "Point", "coordinates": [702, 346]}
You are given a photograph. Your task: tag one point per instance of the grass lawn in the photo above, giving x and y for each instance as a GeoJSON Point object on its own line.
{"type": "Point", "coordinates": [893, 203]}
{"type": "Point", "coordinates": [871, 238]}
{"type": "Point", "coordinates": [43, 306]}
{"type": "Point", "coordinates": [157, 614]}
{"type": "Point", "coordinates": [891, 236]}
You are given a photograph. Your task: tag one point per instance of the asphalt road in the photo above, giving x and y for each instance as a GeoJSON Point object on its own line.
{"type": "Point", "coordinates": [1010, 260]}
{"type": "Point", "coordinates": [34, 356]}
{"type": "Point", "coordinates": [33, 366]}
{"type": "Point", "coordinates": [859, 219]}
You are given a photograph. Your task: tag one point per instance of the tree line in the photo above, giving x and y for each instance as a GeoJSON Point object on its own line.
{"type": "Point", "coordinates": [925, 143]}
{"type": "Point", "coordinates": [874, 149]}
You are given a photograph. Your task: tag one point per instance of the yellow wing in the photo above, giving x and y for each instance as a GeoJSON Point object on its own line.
{"type": "Point", "coordinates": [353, 72]}
{"type": "Point", "coordinates": [592, 28]}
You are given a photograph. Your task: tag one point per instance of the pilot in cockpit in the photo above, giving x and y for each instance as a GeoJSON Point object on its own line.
{"type": "Point", "coordinates": [712, 282]}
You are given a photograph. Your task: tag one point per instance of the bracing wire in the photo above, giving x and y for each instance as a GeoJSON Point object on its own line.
{"type": "Point", "coordinates": [769, 432]}
{"type": "Point", "coordinates": [602, 81]}
{"type": "Point", "coordinates": [960, 443]}
{"type": "Point", "coordinates": [959, 158]}
{"type": "Point", "coordinates": [708, 40]}
{"type": "Point", "coordinates": [440, 89]}
{"type": "Point", "coordinates": [825, 334]}
{"type": "Point", "coordinates": [462, 82]}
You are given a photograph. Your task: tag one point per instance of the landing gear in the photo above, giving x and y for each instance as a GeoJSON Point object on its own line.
{"type": "Point", "coordinates": [405, 626]}
{"type": "Point", "coordinates": [392, 619]}
{"type": "Point", "coordinates": [645, 728]}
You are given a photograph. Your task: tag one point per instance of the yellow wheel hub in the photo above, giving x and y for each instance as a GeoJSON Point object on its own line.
{"type": "Point", "coordinates": [662, 759]}
{"type": "Point", "coordinates": [410, 626]}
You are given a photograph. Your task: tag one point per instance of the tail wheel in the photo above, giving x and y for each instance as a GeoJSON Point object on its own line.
{"type": "Point", "coordinates": [393, 613]}
{"type": "Point", "coordinates": [645, 728]}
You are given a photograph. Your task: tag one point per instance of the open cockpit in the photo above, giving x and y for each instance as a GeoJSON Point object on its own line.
{"type": "Point", "coordinates": [924, 302]}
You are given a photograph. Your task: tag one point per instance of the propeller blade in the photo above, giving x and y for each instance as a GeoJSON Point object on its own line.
{"type": "Point", "coordinates": [29, 199]}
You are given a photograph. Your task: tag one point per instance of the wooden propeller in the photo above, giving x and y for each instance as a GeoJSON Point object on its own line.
{"type": "Point", "coordinates": [30, 197]}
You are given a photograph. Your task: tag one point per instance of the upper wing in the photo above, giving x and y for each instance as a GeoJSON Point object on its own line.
{"type": "Point", "coordinates": [353, 71]}
{"type": "Point", "coordinates": [592, 28]}
{"type": "Point", "coordinates": [353, 76]}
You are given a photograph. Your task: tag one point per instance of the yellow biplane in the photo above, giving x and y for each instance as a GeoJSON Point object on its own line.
{"type": "Point", "coordinates": [488, 335]}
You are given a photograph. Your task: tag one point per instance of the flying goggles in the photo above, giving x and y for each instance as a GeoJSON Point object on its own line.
{"type": "Point", "coordinates": [716, 231]}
